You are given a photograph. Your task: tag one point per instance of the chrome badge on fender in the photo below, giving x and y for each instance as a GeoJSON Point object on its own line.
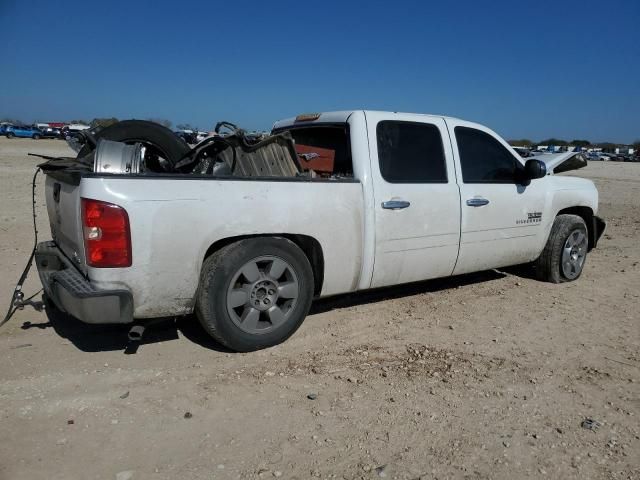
{"type": "Point", "coordinates": [532, 217]}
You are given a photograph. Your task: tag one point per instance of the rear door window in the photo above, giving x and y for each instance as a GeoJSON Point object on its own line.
{"type": "Point", "coordinates": [411, 152]}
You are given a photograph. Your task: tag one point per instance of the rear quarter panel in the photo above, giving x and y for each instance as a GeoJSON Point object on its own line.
{"type": "Point", "coordinates": [175, 221]}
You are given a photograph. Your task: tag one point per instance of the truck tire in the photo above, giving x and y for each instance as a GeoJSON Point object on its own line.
{"type": "Point", "coordinates": [565, 253]}
{"type": "Point", "coordinates": [169, 146]}
{"type": "Point", "coordinates": [254, 293]}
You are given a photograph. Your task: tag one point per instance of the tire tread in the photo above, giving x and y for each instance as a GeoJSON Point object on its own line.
{"type": "Point", "coordinates": [210, 269]}
{"type": "Point", "coordinates": [547, 266]}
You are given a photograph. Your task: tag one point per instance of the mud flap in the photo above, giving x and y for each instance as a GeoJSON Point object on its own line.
{"type": "Point", "coordinates": [596, 231]}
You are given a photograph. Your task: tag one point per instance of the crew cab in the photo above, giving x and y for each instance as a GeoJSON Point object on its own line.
{"type": "Point", "coordinates": [399, 198]}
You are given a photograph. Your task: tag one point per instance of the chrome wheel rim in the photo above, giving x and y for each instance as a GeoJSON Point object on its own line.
{"type": "Point", "coordinates": [573, 254]}
{"type": "Point", "coordinates": [262, 294]}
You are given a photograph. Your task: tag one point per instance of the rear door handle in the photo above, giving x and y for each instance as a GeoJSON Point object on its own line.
{"type": "Point", "coordinates": [395, 204]}
{"type": "Point", "coordinates": [477, 202]}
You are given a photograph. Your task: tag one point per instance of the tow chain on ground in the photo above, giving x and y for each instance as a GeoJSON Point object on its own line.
{"type": "Point", "coordinates": [17, 300]}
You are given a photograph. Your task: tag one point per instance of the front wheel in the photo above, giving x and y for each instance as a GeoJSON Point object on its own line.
{"type": "Point", "coordinates": [254, 293]}
{"type": "Point", "coordinates": [565, 253]}
{"type": "Point", "coordinates": [10, 135]}
{"type": "Point", "coordinates": [36, 137]}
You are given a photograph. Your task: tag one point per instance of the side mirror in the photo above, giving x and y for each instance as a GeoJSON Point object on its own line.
{"type": "Point", "coordinates": [535, 169]}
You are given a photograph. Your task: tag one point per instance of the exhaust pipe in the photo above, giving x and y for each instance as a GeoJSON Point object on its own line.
{"type": "Point", "coordinates": [136, 332]}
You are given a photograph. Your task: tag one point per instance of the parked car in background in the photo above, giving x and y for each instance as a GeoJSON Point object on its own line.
{"type": "Point", "coordinates": [523, 152]}
{"type": "Point", "coordinates": [69, 130]}
{"type": "Point", "coordinates": [201, 136]}
{"type": "Point", "coordinates": [23, 131]}
{"type": "Point", "coordinates": [50, 132]}
{"type": "Point", "coordinates": [188, 136]}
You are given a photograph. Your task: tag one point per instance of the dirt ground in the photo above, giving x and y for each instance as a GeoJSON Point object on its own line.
{"type": "Point", "coordinates": [482, 376]}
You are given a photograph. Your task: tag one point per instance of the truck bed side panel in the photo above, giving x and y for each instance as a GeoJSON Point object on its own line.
{"type": "Point", "coordinates": [175, 221]}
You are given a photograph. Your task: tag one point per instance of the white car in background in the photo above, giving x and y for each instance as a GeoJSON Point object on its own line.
{"type": "Point", "coordinates": [202, 135]}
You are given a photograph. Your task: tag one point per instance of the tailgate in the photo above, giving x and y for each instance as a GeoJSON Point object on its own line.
{"type": "Point", "coordinates": [63, 207]}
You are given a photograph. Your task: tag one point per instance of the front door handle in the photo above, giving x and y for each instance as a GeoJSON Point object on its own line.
{"type": "Point", "coordinates": [477, 202]}
{"type": "Point", "coordinates": [395, 204]}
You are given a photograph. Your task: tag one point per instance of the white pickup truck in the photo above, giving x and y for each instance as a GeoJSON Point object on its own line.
{"type": "Point", "coordinates": [405, 197]}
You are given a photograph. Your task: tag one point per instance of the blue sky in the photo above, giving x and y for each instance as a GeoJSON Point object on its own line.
{"type": "Point", "coordinates": [569, 69]}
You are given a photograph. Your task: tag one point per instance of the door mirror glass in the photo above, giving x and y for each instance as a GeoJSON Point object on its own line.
{"type": "Point", "coordinates": [535, 169]}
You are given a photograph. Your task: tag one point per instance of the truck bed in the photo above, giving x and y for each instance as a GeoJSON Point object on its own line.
{"type": "Point", "coordinates": [175, 219]}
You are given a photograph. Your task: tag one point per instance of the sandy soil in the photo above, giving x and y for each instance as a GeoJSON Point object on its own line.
{"type": "Point", "coordinates": [482, 376]}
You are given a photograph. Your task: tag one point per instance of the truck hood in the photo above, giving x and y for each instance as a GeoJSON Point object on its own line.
{"type": "Point", "coordinates": [562, 162]}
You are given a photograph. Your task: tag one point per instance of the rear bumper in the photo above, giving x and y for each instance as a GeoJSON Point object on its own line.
{"type": "Point", "coordinates": [72, 293]}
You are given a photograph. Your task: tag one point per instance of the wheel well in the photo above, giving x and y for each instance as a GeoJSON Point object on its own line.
{"type": "Point", "coordinates": [309, 245]}
{"type": "Point", "coordinates": [587, 215]}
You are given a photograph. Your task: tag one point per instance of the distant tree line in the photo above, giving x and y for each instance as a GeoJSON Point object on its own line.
{"type": "Point", "coordinates": [186, 126]}
{"type": "Point", "coordinates": [11, 120]}
{"type": "Point", "coordinates": [105, 122]}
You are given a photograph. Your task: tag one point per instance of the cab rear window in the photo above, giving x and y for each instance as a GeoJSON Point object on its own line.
{"type": "Point", "coordinates": [324, 149]}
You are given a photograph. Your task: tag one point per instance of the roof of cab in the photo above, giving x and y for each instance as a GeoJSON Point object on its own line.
{"type": "Point", "coordinates": [339, 117]}
{"type": "Point", "coordinates": [324, 117]}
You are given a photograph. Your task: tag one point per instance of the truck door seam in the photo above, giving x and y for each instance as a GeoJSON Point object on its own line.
{"type": "Point", "coordinates": [455, 172]}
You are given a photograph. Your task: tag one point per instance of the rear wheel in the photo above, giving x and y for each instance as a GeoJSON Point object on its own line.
{"type": "Point", "coordinates": [565, 253]}
{"type": "Point", "coordinates": [254, 293]}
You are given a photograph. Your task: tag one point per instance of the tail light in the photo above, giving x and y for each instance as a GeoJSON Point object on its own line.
{"type": "Point", "coordinates": [107, 237]}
